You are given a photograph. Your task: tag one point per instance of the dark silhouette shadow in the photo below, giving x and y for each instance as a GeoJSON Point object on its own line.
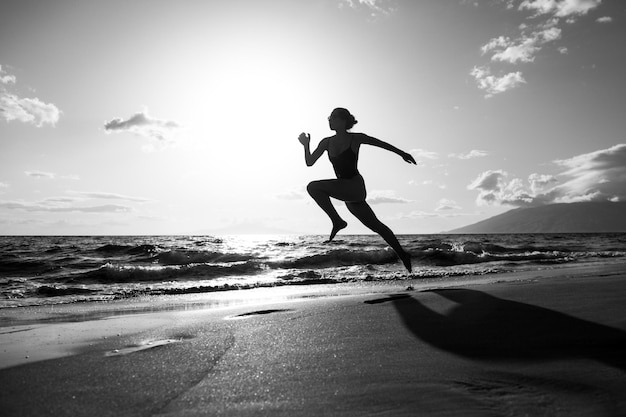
{"type": "Point", "coordinates": [488, 328]}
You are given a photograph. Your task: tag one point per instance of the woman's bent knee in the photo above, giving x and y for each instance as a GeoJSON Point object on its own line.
{"type": "Point", "coordinates": [313, 187]}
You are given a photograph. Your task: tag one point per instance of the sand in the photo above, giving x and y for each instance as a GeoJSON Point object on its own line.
{"type": "Point", "coordinates": [549, 343]}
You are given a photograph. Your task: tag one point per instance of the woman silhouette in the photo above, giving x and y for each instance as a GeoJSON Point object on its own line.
{"type": "Point", "coordinates": [343, 152]}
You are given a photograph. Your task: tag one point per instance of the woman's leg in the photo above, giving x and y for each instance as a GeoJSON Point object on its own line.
{"type": "Point", "coordinates": [341, 189]}
{"type": "Point", "coordinates": [362, 211]}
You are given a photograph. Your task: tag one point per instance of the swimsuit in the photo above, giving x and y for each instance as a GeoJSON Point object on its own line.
{"type": "Point", "coordinates": [344, 164]}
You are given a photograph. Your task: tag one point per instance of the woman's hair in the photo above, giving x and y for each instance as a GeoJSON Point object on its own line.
{"type": "Point", "coordinates": [344, 114]}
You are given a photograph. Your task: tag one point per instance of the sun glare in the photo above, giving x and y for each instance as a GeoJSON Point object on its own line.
{"type": "Point", "coordinates": [246, 106]}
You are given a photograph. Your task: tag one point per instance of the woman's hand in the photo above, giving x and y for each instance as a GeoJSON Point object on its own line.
{"type": "Point", "coordinates": [304, 138]}
{"type": "Point", "coordinates": [408, 158]}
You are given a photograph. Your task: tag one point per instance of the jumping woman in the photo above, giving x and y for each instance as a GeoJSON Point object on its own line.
{"type": "Point", "coordinates": [343, 152]}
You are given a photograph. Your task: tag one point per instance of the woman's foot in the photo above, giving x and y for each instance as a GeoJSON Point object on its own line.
{"type": "Point", "coordinates": [341, 224]}
{"type": "Point", "coordinates": [405, 257]}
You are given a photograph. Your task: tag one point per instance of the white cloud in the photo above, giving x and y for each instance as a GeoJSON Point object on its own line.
{"type": "Point", "coordinates": [385, 197]}
{"type": "Point", "coordinates": [522, 49]}
{"type": "Point", "coordinates": [419, 214]}
{"type": "Point", "coordinates": [474, 153]}
{"type": "Point", "coordinates": [523, 52]}
{"type": "Point", "coordinates": [604, 19]}
{"type": "Point", "coordinates": [568, 8]}
{"type": "Point", "coordinates": [488, 181]}
{"type": "Point", "coordinates": [4, 185]}
{"type": "Point", "coordinates": [599, 175]}
{"type": "Point", "coordinates": [541, 28]}
{"type": "Point", "coordinates": [447, 205]}
{"type": "Point", "coordinates": [47, 207]}
{"type": "Point", "coordinates": [595, 176]}
{"type": "Point", "coordinates": [495, 188]}
{"type": "Point", "coordinates": [539, 182]}
{"type": "Point", "coordinates": [439, 185]}
{"type": "Point", "coordinates": [142, 124]}
{"type": "Point", "coordinates": [107, 196]}
{"type": "Point", "coordinates": [495, 85]}
{"type": "Point", "coordinates": [560, 8]}
{"type": "Point", "coordinates": [27, 110]}
{"type": "Point", "coordinates": [373, 7]}
{"type": "Point", "coordinates": [6, 78]}
{"type": "Point", "coordinates": [299, 193]}
{"type": "Point", "coordinates": [61, 200]}
{"type": "Point", "coordinates": [496, 43]}
{"type": "Point", "coordinates": [422, 153]}
{"type": "Point", "coordinates": [40, 174]}
{"type": "Point", "coordinates": [443, 214]}
{"type": "Point", "coordinates": [50, 175]}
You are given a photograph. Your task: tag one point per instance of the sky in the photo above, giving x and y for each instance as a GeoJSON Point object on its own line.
{"type": "Point", "coordinates": [182, 117]}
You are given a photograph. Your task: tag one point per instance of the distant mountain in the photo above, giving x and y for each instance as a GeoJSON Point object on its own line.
{"type": "Point", "coordinates": [594, 217]}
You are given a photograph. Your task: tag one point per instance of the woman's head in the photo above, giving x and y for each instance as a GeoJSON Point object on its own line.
{"type": "Point", "coordinates": [343, 114]}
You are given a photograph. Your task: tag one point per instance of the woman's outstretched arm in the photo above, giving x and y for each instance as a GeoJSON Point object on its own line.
{"type": "Point", "coordinates": [311, 158]}
{"type": "Point", "coordinates": [368, 140]}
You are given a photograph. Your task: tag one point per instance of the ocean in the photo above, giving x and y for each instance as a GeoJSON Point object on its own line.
{"type": "Point", "coordinates": [39, 270]}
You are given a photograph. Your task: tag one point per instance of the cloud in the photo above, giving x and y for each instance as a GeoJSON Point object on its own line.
{"type": "Point", "coordinates": [142, 124]}
{"type": "Point", "coordinates": [447, 205]}
{"type": "Point", "coordinates": [62, 200]}
{"type": "Point", "coordinates": [444, 214]}
{"type": "Point", "coordinates": [50, 175]}
{"type": "Point", "coordinates": [49, 208]}
{"type": "Point", "coordinates": [523, 48]}
{"type": "Point", "coordinates": [439, 185]}
{"type": "Point", "coordinates": [559, 8]}
{"type": "Point", "coordinates": [495, 85]}
{"type": "Point", "coordinates": [4, 185]}
{"type": "Point", "coordinates": [294, 194]}
{"type": "Point", "coordinates": [40, 174]}
{"type": "Point", "coordinates": [421, 153]}
{"type": "Point", "coordinates": [539, 182]}
{"type": "Point", "coordinates": [495, 188]}
{"type": "Point", "coordinates": [108, 196]}
{"type": "Point", "coordinates": [595, 176]}
{"type": "Point", "coordinates": [474, 153]}
{"type": "Point", "coordinates": [385, 197]}
{"type": "Point", "coordinates": [27, 110]}
{"type": "Point", "coordinates": [540, 28]}
{"type": "Point", "coordinates": [604, 19]}
{"type": "Point", "coordinates": [69, 204]}
{"type": "Point", "coordinates": [6, 78]}
{"type": "Point", "coordinates": [373, 7]}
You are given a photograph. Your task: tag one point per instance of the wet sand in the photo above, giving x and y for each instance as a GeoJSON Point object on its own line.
{"type": "Point", "coordinates": [549, 343]}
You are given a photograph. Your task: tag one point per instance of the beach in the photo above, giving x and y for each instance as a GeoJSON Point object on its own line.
{"type": "Point", "coordinates": [537, 343]}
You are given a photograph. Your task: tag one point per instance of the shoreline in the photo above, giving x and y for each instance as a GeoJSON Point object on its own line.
{"type": "Point", "coordinates": [58, 330]}
{"type": "Point", "coordinates": [95, 309]}
{"type": "Point", "coordinates": [518, 340]}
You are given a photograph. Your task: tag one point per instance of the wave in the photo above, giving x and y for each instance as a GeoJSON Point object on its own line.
{"type": "Point", "coordinates": [187, 257]}
{"type": "Point", "coordinates": [337, 258]}
{"type": "Point", "coordinates": [453, 258]}
{"type": "Point", "coordinates": [24, 267]}
{"type": "Point", "coordinates": [451, 253]}
{"type": "Point", "coordinates": [113, 249]}
{"type": "Point", "coordinates": [115, 273]}
{"type": "Point", "coordinates": [90, 267]}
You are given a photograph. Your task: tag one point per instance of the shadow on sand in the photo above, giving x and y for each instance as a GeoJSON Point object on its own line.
{"type": "Point", "coordinates": [485, 327]}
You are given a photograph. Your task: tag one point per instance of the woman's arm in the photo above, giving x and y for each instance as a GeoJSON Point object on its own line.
{"type": "Point", "coordinates": [368, 140]}
{"type": "Point", "coordinates": [311, 158]}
